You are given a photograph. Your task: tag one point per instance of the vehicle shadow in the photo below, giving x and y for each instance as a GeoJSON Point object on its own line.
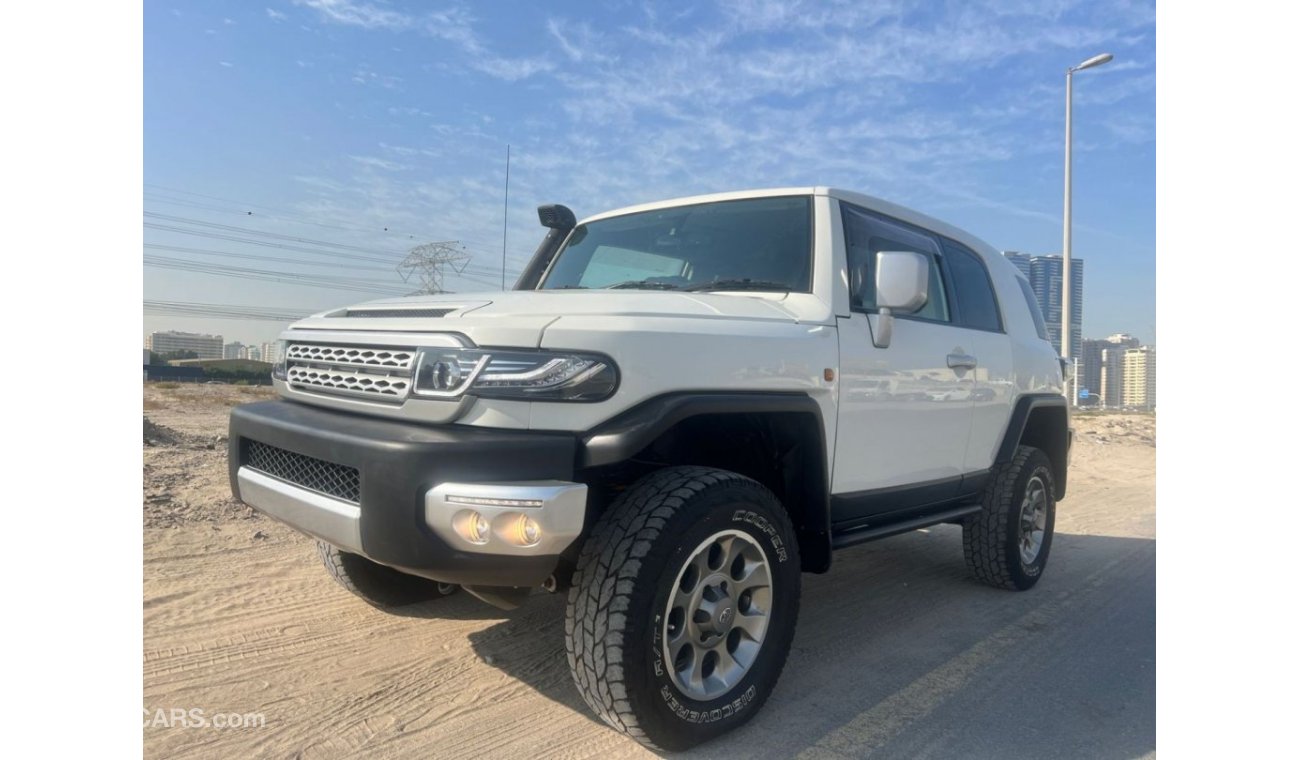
{"type": "Point", "coordinates": [899, 653]}
{"type": "Point", "coordinates": [459, 606]}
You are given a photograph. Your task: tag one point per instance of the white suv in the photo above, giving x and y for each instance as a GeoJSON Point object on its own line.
{"type": "Point", "coordinates": [680, 408]}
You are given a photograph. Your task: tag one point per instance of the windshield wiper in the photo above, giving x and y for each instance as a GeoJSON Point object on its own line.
{"type": "Point", "coordinates": [643, 284]}
{"type": "Point", "coordinates": [740, 284]}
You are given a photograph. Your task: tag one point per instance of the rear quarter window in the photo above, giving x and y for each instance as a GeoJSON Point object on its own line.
{"type": "Point", "coordinates": [1034, 312]}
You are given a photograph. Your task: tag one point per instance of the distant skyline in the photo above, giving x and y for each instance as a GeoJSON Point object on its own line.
{"type": "Point", "coordinates": [364, 128]}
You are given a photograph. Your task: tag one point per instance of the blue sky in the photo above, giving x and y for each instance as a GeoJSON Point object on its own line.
{"type": "Point", "coordinates": [381, 125]}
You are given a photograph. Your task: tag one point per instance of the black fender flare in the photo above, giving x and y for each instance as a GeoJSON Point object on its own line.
{"type": "Point", "coordinates": [1057, 444]}
{"type": "Point", "coordinates": [623, 436]}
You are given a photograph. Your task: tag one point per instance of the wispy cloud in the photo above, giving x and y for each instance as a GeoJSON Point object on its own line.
{"type": "Point", "coordinates": [579, 42]}
{"type": "Point", "coordinates": [453, 24]}
{"type": "Point", "coordinates": [366, 76]}
{"type": "Point", "coordinates": [359, 14]}
{"type": "Point", "coordinates": [275, 15]}
{"type": "Point", "coordinates": [374, 162]}
{"type": "Point", "coordinates": [951, 107]}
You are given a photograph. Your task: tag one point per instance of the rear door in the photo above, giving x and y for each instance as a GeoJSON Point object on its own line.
{"type": "Point", "coordinates": [979, 313]}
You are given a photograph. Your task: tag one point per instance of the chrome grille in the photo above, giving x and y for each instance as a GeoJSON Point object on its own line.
{"type": "Point", "coordinates": [373, 372]}
{"type": "Point", "coordinates": [337, 480]}
{"type": "Point", "coordinates": [357, 356]}
{"type": "Point", "coordinates": [391, 386]}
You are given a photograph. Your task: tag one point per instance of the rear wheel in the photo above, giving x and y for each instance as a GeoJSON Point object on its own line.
{"type": "Point", "coordinates": [1007, 544]}
{"type": "Point", "coordinates": [683, 606]}
{"type": "Point", "coordinates": [379, 585]}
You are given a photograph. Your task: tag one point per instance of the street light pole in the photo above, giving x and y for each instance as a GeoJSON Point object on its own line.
{"type": "Point", "coordinates": [1066, 268]}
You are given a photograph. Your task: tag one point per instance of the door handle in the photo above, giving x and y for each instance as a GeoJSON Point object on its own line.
{"type": "Point", "coordinates": [961, 361]}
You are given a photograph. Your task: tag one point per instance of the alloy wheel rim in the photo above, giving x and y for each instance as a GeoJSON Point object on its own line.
{"type": "Point", "coordinates": [717, 615]}
{"type": "Point", "coordinates": [1033, 520]}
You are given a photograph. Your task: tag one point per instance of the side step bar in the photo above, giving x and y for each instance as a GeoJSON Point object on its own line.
{"type": "Point", "coordinates": [872, 533]}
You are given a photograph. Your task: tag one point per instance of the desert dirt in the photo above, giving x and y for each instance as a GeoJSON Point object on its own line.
{"type": "Point", "coordinates": [897, 654]}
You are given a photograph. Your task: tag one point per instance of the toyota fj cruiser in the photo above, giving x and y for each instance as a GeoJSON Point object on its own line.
{"type": "Point", "coordinates": [680, 408]}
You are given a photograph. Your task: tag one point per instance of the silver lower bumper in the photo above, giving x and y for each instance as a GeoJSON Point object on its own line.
{"type": "Point", "coordinates": [557, 507]}
{"type": "Point", "coordinates": [331, 520]}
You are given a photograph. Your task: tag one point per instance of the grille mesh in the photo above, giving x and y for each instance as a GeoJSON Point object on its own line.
{"type": "Point", "coordinates": [374, 372]}
{"type": "Point", "coordinates": [345, 380]}
{"type": "Point", "coordinates": [339, 481]}
{"type": "Point", "coordinates": [369, 357]}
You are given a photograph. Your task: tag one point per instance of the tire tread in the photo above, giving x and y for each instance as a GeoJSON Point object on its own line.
{"type": "Point", "coordinates": [603, 585]}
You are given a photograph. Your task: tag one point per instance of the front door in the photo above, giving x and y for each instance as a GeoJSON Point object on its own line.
{"type": "Point", "coordinates": [905, 415]}
{"type": "Point", "coordinates": [906, 409]}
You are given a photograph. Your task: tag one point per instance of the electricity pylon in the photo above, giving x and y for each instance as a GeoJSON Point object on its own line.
{"type": "Point", "coordinates": [430, 262]}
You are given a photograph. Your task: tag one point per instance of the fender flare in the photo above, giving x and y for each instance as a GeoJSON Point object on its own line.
{"type": "Point", "coordinates": [1020, 414]}
{"type": "Point", "coordinates": [623, 436]}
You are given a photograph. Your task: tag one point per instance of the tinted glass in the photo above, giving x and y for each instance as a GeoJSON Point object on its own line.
{"type": "Point", "coordinates": [765, 241]}
{"type": "Point", "coordinates": [971, 286]}
{"type": "Point", "coordinates": [1032, 302]}
{"type": "Point", "coordinates": [867, 234]}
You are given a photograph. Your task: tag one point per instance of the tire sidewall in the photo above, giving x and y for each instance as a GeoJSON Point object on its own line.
{"type": "Point", "coordinates": [1026, 575]}
{"type": "Point", "coordinates": [730, 505]}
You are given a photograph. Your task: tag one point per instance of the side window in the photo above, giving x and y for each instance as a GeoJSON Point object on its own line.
{"type": "Point", "coordinates": [865, 235]}
{"type": "Point", "coordinates": [1032, 302]}
{"type": "Point", "coordinates": [971, 288]}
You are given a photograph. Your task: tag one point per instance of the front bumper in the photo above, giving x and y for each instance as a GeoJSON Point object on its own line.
{"type": "Point", "coordinates": [413, 481]}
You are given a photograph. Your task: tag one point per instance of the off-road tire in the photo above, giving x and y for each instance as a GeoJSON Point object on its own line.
{"type": "Point", "coordinates": [377, 584]}
{"type": "Point", "coordinates": [625, 573]}
{"type": "Point", "coordinates": [991, 538]}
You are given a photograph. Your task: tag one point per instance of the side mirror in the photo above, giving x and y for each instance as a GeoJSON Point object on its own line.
{"type": "Point", "coordinates": [902, 286]}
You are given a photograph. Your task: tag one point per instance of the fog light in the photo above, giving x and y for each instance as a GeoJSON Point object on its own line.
{"type": "Point", "coordinates": [527, 532]}
{"type": "Point", "coordinates": [472, 527]}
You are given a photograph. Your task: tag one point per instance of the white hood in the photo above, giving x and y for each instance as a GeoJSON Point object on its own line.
{"type": "Point", "coordinates": [519, 317]}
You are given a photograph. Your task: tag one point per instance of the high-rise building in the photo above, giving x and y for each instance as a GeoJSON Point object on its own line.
{"type": "Point", "coordinates": [231, 350]}
{"type": "Point", "coordinates": [205, 346]}
{"type": "Point", "coordinates": [1023, 262]}
{"type": "Point", "coordinates": [1089, 368]}
{"type": "Point", "coordinates": [1045, 275]}
{"type": "Point", "coordinates": [253, 353]}
{"type": "Point", "coordinates": [1112, 376]}
{"type": "Point", "coordinates": [1102, 368]}
{"type": "Point", "coordinates": [271, 352]}
{"type": "Point", "coordinates": [1140, 377]}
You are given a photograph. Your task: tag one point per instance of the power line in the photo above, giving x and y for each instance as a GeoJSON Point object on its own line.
{"type": "Point", "coordinates": [264, 243]}
{"type": "Point", "coordinates": [295, 275]}
{"type": "Point", "coordinates": [223, 311]}
{"type": "Point", "coordinates": [243, 206]}
{"type": "Point", "coordinates": [264, 233]}
{"type": "Point", "coordinates": [289, 247]}
{"type": "Point", "coordinates": [289, 278]}
{"type": "Point", "coordinates": [242, 210]}
{"type": "Point", "coordinates": [260, 257]}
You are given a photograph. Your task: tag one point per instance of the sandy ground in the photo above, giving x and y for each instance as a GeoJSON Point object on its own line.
{"type": "Point", "coordinates": [898, 653]}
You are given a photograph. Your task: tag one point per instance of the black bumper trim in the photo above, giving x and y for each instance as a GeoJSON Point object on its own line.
{"type": "Point", "coordinates": [398, 463]}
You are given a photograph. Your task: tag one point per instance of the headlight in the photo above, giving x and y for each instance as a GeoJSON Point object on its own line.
{"type": "Point", "coordinates": [520, 375]}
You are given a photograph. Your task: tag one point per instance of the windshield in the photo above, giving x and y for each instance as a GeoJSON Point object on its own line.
{"type": "Point", "coordinates": [751, 244]}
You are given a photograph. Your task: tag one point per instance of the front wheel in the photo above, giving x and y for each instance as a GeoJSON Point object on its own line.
{"type": "Point", "coordinates": [683, 606]}
{"type": "Point", "coordinates": [1007, 543]}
